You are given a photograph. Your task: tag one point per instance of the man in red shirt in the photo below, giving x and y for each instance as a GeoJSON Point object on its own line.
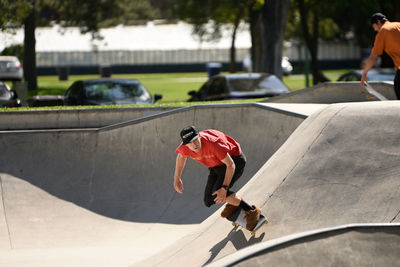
{"type": "Point", "coordinates": [387, 39]}
{"type": "Point", "coordinates": [225, 161]}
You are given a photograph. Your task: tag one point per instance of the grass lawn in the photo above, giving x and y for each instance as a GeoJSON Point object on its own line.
{"type": "Point", "coordinates": [173, 86]}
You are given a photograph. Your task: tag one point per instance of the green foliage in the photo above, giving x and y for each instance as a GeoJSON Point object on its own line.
{"type": "Point", "coordinates": [14, 50]}
{"type": "Point", "coordinates": [200, 12]}
{"type": "Point", "coordinates": [12, 12]}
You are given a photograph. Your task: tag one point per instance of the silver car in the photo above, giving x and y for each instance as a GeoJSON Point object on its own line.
{"type": "Point", "coordinates": [10, 69]}
{"type": "Point", "coordinates": [239, 86]}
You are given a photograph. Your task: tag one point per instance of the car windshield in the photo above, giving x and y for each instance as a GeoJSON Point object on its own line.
{"type": "Point", "coordinates": [254, 83]}
{"type": "Point", "coordinates": [244, 84]}
{"type": "Point", "coordinates": [110, 91]}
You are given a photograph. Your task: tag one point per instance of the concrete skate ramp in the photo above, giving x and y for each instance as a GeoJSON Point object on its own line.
{"type": "Point", "coordinates": [348, 245]}
{"type": "Point", "coordinates": [114, 186]}
{"type": "Point", "coordinates": [340, 166]}
{"type": "Point", "coordinates": [336, 92]}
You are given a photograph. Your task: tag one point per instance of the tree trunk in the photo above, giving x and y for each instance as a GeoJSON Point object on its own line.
{"type": "Point", "coordinates": [30, 50]}
{"type": "Point", "coordinates": [239, 15]}
{"type": "Point", "coordinates": [232, 65]}
{"type": "Point", "coordinates": [274, 18]}
{"type": "Point", "coordinates": [256, 39]}
{"type": "Point", "coordinates": [311, 41]}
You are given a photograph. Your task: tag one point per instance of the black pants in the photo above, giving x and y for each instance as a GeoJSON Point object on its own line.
{"type": "Point", "coordinates": [397, 84]}
{"type": "Point", "coordinates": [216, 178]}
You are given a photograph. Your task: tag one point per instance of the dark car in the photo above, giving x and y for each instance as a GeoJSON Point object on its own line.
{"type": "Point", "coordinates": [373, 75]}
{"type": "Point", "coordinates": [8, 97]}
{"type": "Point", "coordinates": [239, 86]}
{"type": "Point", "coordinates": [108, 92]}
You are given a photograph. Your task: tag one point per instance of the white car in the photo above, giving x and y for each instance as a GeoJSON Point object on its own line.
{"type": "Point", "coordinates": [10, 69]}
{"type": "Point", "coordinates": [287, 67]}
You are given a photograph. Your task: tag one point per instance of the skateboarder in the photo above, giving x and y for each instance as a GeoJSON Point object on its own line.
{"type": "Point", "coordinates": [387, 39]}
{"type": "Point", "coordinates": [225, 161]}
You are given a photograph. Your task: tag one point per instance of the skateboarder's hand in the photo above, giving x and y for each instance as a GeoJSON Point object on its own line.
{"type": "Point", "coordinates": [363, 80]}
{"type": "Point", "coordinates": [220, 195]}
{"type": "Point", "coordinates": [178, 185]}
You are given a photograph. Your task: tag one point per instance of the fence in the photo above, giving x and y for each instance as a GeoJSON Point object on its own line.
{"type": "Point", "coordinates": [295, 52]}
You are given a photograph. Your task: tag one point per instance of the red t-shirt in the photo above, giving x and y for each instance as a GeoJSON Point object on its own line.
{"type": "Point", "coordinates": [214, 147]}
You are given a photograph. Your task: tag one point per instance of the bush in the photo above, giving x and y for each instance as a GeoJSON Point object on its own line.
{"type": "Point", "coordinates": [14, 50]}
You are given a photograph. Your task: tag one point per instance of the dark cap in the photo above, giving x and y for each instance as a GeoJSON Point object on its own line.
{"type": "Point", "coordinates": [189, 134]}
{"type": "Point", "coordinates": [377, 16]}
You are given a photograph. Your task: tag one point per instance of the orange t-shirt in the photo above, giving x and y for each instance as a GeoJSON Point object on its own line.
{"type": "Point", "coordinates": [388, 39]}
{"type": "Point", "coordinates": [214, 147]}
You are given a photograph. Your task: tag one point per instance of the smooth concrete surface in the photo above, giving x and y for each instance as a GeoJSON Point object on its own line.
{"type": "Point", "coordinates": [105, 197]}
{"type": "Point", "coordinates": [73, 118]}
{"type": "Point", "coordinates": [336, 92]}
{"type": "Point", "coordinates": [40, 229]}
{"type": "Point", "coordinates": [346, 245]}
{"type": "Point", "coordinates": [340, 166]}
{"type": "Point", "coordinates": [302, 109]}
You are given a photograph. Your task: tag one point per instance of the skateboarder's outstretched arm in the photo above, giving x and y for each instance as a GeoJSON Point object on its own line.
{"type": "Point", "coordinates": [370, 63]}
{"type": "Point", "coordinates": [179, 165]}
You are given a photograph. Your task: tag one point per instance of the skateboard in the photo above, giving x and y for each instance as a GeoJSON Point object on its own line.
{"type": "Point", "coordinates": [373, 92]}
{"type": "Point", "coordinates": [238, 218]}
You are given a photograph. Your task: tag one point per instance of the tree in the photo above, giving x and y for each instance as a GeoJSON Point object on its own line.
{"type": "Point", "coordinates": [89, 15]}
{"type": "Point", "coordinates": [30, 13]}
{"type": "Point", "coordinates": [268, 29]}
{"type": "Point", "coordinates": [12, 11]}
{"type": "Point", "coordinates": [310, 17]}
{"type": "Point", "coordinates": [267, 19]}
{"type": "Point", "coordinates": [29, 64]}
{"type": "Point", "coordinates": [202, 14]}
{"type": "Point", "coordinates": [232, 12]}
{"type": "Point", "coordinates": [312, 21]}
{"type": "Point", "coordinates": [358, 23]}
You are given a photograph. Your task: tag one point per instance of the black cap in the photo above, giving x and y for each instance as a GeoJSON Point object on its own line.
{"type": "Point", "coordinates": [189, 134]}
{"type": "Point", "coordinates": [377, 16]}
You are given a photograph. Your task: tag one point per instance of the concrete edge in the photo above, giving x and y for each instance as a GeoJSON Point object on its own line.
{"type": "Point", "coordinates": [158, 115]}
{"type": "Point", "coordinates": [316, 87]}
{"type": "Point", "coordinates": [248, 252]}
{"type": "Point", "coordinates": [167, 113]}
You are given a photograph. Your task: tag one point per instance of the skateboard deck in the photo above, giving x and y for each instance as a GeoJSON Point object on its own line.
{"type": "Point", "coordinates": [238, 218]}
{"type": "Point", "coordinates": [373, 92]}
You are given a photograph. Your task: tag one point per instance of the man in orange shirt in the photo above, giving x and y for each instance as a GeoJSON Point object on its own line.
{"type": "Point", "coordinates": [387, 39]}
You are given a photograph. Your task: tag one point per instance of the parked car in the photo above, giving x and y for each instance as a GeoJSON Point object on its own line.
{"type": "Point", "coordinates": [45, 101]}
{"type": "Point", "coordinates": [10, 69]}
{"type": "Point", "coordinates": [108, 92]}
{"type": "Point", "coordinates": [239, 86]}
{"type": "Point", "coordinates": [287, 67]}
{"type": "Point", "coordinates": [373, 75]}
{"type": "Point", "coordinates": [8, 97]}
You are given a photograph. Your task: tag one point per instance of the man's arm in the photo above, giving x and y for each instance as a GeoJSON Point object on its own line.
{"type": "Point", "coordinates": [179, 165]}
{"type": "Point", "coordinates": [230, 170]}
{"type": "Point", "coordinates": [370, 63]}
